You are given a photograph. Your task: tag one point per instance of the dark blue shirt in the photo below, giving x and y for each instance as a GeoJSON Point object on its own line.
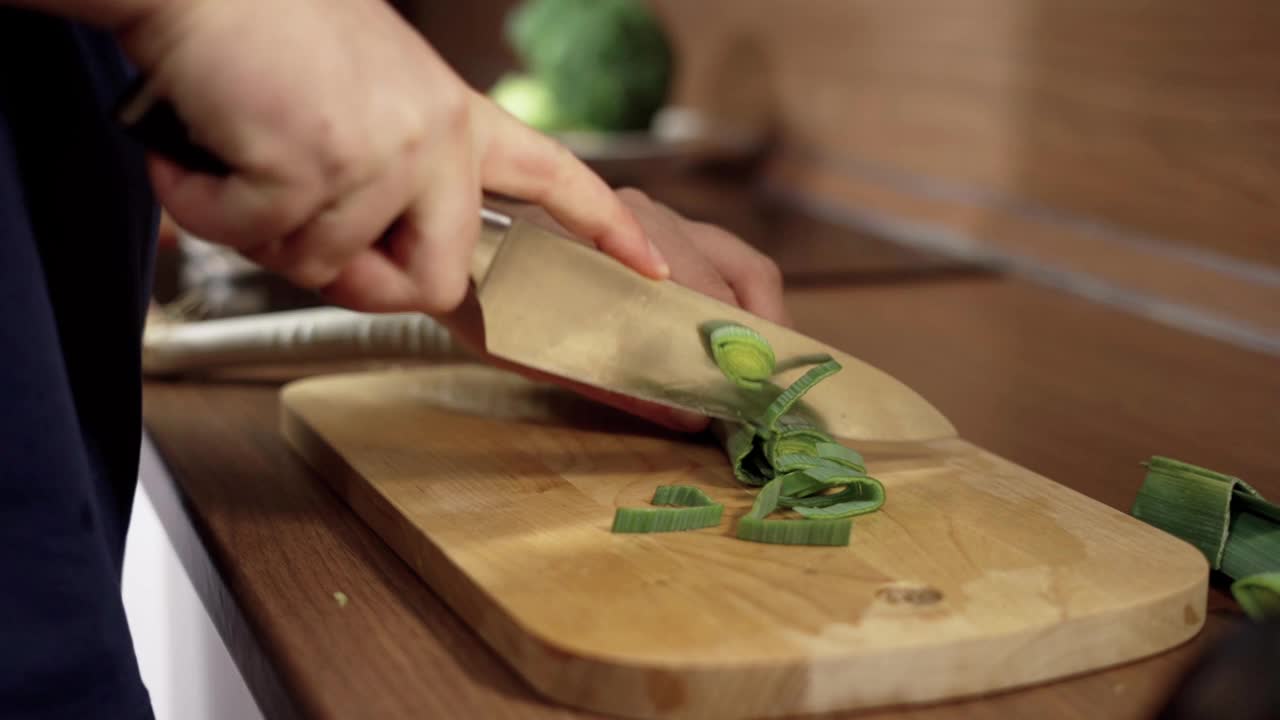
{"type": "Point", "coordinates": [77, 222]}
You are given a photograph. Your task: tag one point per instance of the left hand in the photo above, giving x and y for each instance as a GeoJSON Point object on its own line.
{"type": "Point", "coordinates": [702, 257]}
{"type": "Point", "coordinates": [710, 259]}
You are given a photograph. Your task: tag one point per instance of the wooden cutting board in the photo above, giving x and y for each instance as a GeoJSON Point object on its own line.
{"type": "Point", "coordinates": [977, 575]}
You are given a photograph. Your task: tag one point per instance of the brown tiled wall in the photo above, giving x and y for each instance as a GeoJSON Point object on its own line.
{"type": "Point", "coordinates": [1106, 120]}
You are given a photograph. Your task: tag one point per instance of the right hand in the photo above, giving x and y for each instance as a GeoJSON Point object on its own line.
{"type": "Point", "coordinates": [358, 157]}
{"type": "Point", "coordinates": [343, 127]}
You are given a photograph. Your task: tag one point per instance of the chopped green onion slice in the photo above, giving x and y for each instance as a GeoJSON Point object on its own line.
{"type": "Point", "coordinates": [795, 465]}
{"type": "Point", "coordinates": [767, 500]}
{"type": "Point", "coordinates": [668, 519]}
{"type": "Point", "coordinates": [839, 510]}
{"type": "Point", "coordinates": [801, 361]}
{"type": "Point", "coordinates": [799, 466]}
{"type": "Point", "coordinates": [866, 490]}
{"type": "Point", "coordinates": [1258, 595]}
{"type": "Point", "coordinates": [694, 511]}
{"type": "Point", "coordinates": [796, 532]}
{"type": "Point", "coordinates": [795, 440]}
{"type": "Point", "coordinates": [832, 529]}
{"type": "Point", "coordinates": [807, 481]}
{"type": "Point", "coordinates": [681, 495]}
{"type": "Point", "coordinates": [857, 499]}
{"type": "Point", "coordinates": [789, 397]}
{"type": "Point", "coordinates": [790, 463]}
{"type": "Point", "coordinates": [742, 355]}
{"type": "Point", "coordinates": [843, 455]}
{"type": "Point", "coordinates": [801, 483]}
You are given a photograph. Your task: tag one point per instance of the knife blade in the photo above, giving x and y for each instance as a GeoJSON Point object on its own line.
{"type": "Point", "coordinates": [562, 307]}
{"type": "Point", "coordinates": [556, 305]}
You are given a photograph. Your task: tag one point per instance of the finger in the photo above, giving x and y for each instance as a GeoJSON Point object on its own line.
{"type": "Point", "coordinates": [371, 282]}
{"type": "Point", "coordinates": [523, 163]}
{"type": "Point", "coordinates": [313, 255]}
{"type": "Point", "coordinates": [693, 269]}
{"type": "Point", "coordinates": [233, 211]}
{"type": "Point", "coordinates": [754, 277]}
{"type": "Point", "coordinates": [433, 243]}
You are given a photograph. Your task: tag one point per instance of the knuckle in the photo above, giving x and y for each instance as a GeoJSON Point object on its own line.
{"type": "Point", "coordinates": [263, 254]}
{"type": "Point", "coordinates": [554, 167]}
{"type": "Point", "coordinates": [311, 274]}
{"type": "Point", "coordinates": [271, 219]}
{"type": "Point", "coordinates": [453, 105]}
{"type": "Point", "coordinates": [253, 222]}
{"type": "Point", "coordinates": [768, 270]}
{"type": "Point", "coordinates": [341, 163]}
{"type": "Point", "coordinates": [442, 296]}
{"type": "Point", "coordinates": [725, 294]}
{"type": "Point", "coordinates": [560, 168]}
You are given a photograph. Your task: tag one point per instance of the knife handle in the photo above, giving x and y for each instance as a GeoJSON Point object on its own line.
{"type": "Point", "coordinates": [155, 123]}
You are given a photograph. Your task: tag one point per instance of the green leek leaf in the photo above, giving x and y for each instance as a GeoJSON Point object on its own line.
{"type": "Point", "coordinates": [1259, 595]}
{"type": "Point", "coordinates": [795, 464]}
{"type": "Point", "coordinates": [1226, 519]}
{"type": "Point", "coordinates": [1194, 505]}
{"type": "Point", "coordinates": [789, 397]}
{"type": "Point", "coordinates": [1253, 546]}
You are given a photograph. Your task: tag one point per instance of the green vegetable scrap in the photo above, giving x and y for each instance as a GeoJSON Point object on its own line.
{"type": "Point", "coordinates": [797, 466]}
{"type": "Point", "coordinates": [743, 356]}
{"type": "Point", "coordinates": [340, 598]}
{"type": "Point", "coordinates": [602, 65]}
{"type": "Point", "coordinates": [692, 510]}
{"type": "Point", "coordinates": [755, 526]}
{"type": "Point", "coordinates": [1236, 529]}
{"type": "Point", "coordinates": [1259, 595]}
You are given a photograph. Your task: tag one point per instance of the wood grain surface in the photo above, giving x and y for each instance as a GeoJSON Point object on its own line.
{"type": "Point", "coordinates": [1154, 118]}
{"type": "Point", "coordinates": [1236, 296]}
{"type": "Point", "coordinates": [1071, 390]}
{"type": "Point", "coordinates": [1157, 118]}
{"type": "Point", "coordinates": [976, 576]}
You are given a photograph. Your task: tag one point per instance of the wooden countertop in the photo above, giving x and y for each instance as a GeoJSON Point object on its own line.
{"type": "Point", "coordinates": [1078, 392]}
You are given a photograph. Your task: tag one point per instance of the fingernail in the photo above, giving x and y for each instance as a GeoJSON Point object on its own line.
{"type": "Point", "coordinates": [664, 269]}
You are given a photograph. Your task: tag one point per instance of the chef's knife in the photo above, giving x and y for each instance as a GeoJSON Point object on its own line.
{"type": "Point", "coordinates": [559, 306]}
{"type": "Point", "coordinates": [565, 308]}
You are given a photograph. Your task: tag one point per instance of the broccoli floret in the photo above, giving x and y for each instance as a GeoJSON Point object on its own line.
{"type": "Point", "coordinates": [606, 64]}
